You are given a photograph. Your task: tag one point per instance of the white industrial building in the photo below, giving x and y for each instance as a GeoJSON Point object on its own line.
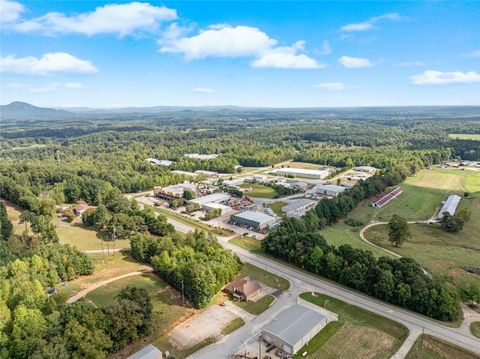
{"type": "Point", "coordinates": [165, 163]}
{"type": "Point", "coordinates": [293, 328]}
{"type": "Point", "coordinates": [331, 190]}
{"type": "Point", "coordinates": [299, 172]}
{"type": "Point", "coordinates": [213, 205]}
{"type": "Point", "coordinates": [198, 156]}
{"type": "Point", "coordinates": [148, 352]}
{"type": "Point", "coordinates": [218, 197]}
{"type": "Point", "coordinates": [298, 208]}
{"type": "Point", "coordinates": [208, 173]}
{"type": "Point", "coordinates": [449, 206]}
{"type": "Point", "coordinates": [257, 220]}
{"type": "Point", "coordinates": [366, 169]}
{"type": "Point", "coordinates": [233, 182]}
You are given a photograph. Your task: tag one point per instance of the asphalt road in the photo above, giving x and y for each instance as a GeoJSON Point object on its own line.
{"type": "Point", "coordinates": [413, 321]}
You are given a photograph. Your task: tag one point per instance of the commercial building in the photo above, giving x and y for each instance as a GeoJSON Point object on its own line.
{"type": "Point", "coordinates": [198, 156]}
{"type": "Point", "coordinates": [449, 206]}
{"type": "Point", "coordinates": [210, 174]}
{"type": "Point", "coordinates": [366, 169]}
{"type": "Point", "coordinates": [299, 172]}
{"type": "Point", "coordinates": [148, 352]}
{"type": "Point", "coordinates": [213, 205]}
{"type": "Point", "coordinates": [244, 289]}
{"type": "Point", "coordinates": [329, 190]}
{"type": "Point", "coordinates": [298, 208]}
{"type": "Point", "coordinates": [184, 173]}
{"type": "Point", "coordinates": [257, 220]}
{"type": "Point", "coordinates": [175, 191]}
{"type": "Point", "coordinates": [165, 163]}
{"type": "Point", "coordinates": [218, 197]}
{"type": "Point", "coordinates": [233, 182]}
{"type": "Point", "coordinates": [293, 328]}
{"type": "Point", "coordinates": [384, 198]}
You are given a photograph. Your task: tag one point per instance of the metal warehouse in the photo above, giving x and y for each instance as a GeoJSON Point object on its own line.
{"type": "Point", "coordinates": [299, 207]}
{"type": "Point", "coordinates": [330, 190]}
{"type": "Point", "coordinates": [257, 220]}
{"type": "Point", "coordinates": [316, 174]}
{"type": "Point", "coordinates": [293, 328]}
{"type": "Point", "coordinates": [450, 205]}
{"type": "Point", "coordinates": [210, 198]}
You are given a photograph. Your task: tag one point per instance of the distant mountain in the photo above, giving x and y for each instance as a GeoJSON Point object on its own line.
{"type": "Point", "coordinates": [20, 111]}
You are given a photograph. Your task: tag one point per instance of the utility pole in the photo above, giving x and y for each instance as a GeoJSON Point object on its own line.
{"type": "Point", "coordinates": [183, 296]}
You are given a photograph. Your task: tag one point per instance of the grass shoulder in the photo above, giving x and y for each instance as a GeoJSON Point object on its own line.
{"type": "Point", "coordinates": [232, 326]}
{"type": "Point", "coordinates": [428, 347]}
{"type": "Point", "coordinates": [257, 307]}
{"type": "Point", "coordinates": [475, 329]}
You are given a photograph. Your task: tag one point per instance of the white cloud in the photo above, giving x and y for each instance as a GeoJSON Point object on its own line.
{"type": "Point", "coordinates": [412, 64]}
{"type": "Point", "coordinates": [203, 90]}
{"type": "Point", "coordinates": [368, 24]}
{"type": "Point", "coordinates": [354, 62]}
{"type": "Point", "coordinates": [475, 54]}
{"type": "Point", "coordinates": [16, 85]}
{"type": "Point", "coordinates": [331, 86]}
{"type": "Point", "coordinates": [443, 78]}
{"type": "Point", "coordinates": [119, 19]}
{"type": "Point", "coordinates": [287, 57]}
{"type": "Point", "coordinates": [223, 40]}
{"type": "Point", "coordinates": [218, 41]}
{"type": "Point", "coordinates": [49, 63]}
{"type": "Point", "coordinates": [56, 86]}
{"type": "Point", "coordinates": [10, 11]}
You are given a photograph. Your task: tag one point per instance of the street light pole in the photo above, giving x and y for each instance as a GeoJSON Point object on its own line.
{"type": "Point", "coordinates": [183, 296]}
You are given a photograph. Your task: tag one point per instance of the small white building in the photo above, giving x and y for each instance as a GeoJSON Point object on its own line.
{"type": "Point", "coordinates": [175, 191]}
{"type": "Point", "coordinates": [331, 190]}
{"type": "Point", "coordinates": [233, 182]}
{"type": "Point", "coordinates": [300, 172]}
{"type": "Point", "coordinates": [198, 156]}
{"type": "Point", "coordinates": [210, 174]}
{"type": "Point", "coordinates": [449, 206]}
{"type": "Point", "coordinates": [218, 197]}
{"type": "Point", "coordinates": [366, 169]}
{"type": "Point", "coordinates": [154, 161]}
{"type": "Point", "coordinates": [184, 173]}
{"type": "Point", "coordinates": [259, 178]}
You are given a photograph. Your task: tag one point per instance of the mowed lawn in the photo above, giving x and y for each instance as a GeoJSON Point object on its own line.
{"type": "Point", "coordinates": [428, 347]}
{"type": "Point", "coordinates": [368, 335]}
{"type": "Point", "coordinates": [276, 207]}
{"type": "Point", "coordinates": [259, 190]}
{"type": "Point", "coordinates": [269, 279]}
{"type": "Point", "coordinates": [105, 296]}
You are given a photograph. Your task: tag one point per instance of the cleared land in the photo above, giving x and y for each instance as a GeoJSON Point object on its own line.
{"type": "Point", "coordinates": [465, 136]}
{"type": "Point", "coordinates": [369, 335]}
{"type": "Point", "coordinates": [75, 234]}
{"type": "Point", "coordinates": [427, 347]}
{"type": "Point", "coordinates": [248, 243]}
{"type": "Point", "coordinates": [422, 195]}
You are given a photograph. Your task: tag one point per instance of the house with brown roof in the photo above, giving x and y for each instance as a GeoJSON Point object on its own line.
{"type": "Point", "coordinates": [80, 208]}
{"type": "Point", "coordinates": [244, 288]}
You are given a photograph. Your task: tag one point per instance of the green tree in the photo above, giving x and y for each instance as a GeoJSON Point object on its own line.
{"type": "Point", "coordinates": [398, 230]}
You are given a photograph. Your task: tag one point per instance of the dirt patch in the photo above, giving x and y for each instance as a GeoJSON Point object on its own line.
{"type": "Point", "coordinates": [444, 350]}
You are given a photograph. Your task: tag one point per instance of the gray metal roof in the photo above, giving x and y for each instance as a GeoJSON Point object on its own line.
{"type": "Point", "coordinates": [331, 187]}
{"type": "Point", "coordinates": [148, 352]}
{"type": "Point", "coordinates": [214, 197]}
{"type": "Point", "coordinates": [258, 217]}
{"type": "Point", "coordinates": [450, 205]}
{"type": "Point", "coordinates": [297, 204]}
{"type": "Point", "coordinates": [294, 323]}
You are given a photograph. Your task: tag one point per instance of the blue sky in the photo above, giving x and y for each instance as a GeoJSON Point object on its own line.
{"type": "Point", "coordinates": [279, 54]}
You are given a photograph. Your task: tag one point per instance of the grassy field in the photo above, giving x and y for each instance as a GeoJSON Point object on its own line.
{"type": "Point", "coordinates": [257, 307]}
{"type": "Point", "coordinates": [465, 136]}
{"type": "Point", "coordinates": [475, 329]}
{"type": "Point", "coordinates": [431, 246]}
{"type": "Point", "coordinates": [427, 347]}
{"type": "Point", "coordinates": [105, 296]}
{"type": "Point", "coordinates": [269, 279]}
{"type": "Point", "coordinates": [303, 165]}
{"type": "Point", "coordinates": [369, 335]}
{"type": "Point", "coordinates": [232, 326]}
{"type": "Point", "coordinates": [248, 243]}
{"type": "Point", "coordinates": [75, 234]}
{"type": "Point", "coordinates": [277, 208]}
{"type": "Point", "coordinates": [259, 190]}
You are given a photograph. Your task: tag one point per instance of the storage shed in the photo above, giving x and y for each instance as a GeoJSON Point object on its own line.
{"type": "Point", "coordinates": [253, 219]}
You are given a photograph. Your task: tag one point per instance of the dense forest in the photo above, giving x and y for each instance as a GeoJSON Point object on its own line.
{"type": "Point", "coordinates": [96, 158]}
